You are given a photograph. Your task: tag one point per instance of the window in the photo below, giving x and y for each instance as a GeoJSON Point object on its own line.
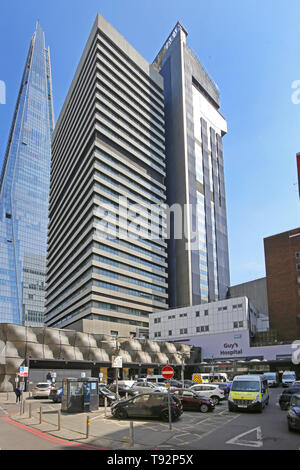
{"type": "Point", "coordinates": [298, 254]}
{"type": "Point", "coordinates": [235, 324]}
{"type": "Point", "coordinates": [197, 314]}
{"type": "Point", "coordinates": [170, 332]}
{"type": "Point", "coordinates": [205, 313]}
{"type": "Point", "coordinates": [157, 334]}
{"type": "Point", "coordinates": [240, 305]}
{"type": "Point", "coordinates": [298, 279]}
{"type": "Point", "coordinates": [171, 317]}
{"type": "Point", "coordinates": [241, 324]}
{"type": "Point", "coordinates": [224, 308]}
{"type": "Point", "coordinates": [157, 320]}
{"type": "Point", "coordinates": [183, 331]}
{"type": "Point", "coordinates": [114, 333]}
{"type": "Point", "coordinates": [298, 267]}
{"type": "Point", "coordinates": [183, 315]}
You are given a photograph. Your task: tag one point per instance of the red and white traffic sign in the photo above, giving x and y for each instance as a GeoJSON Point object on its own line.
{"type": "Point", "coordinates": [167, 372]}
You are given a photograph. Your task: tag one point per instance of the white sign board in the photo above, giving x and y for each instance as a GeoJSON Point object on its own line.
{"type": "Point", "coordinates": [117, 362]}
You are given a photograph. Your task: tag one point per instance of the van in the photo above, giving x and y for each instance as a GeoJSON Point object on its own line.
{"type": "Point", "coordinates": [272, 378]}
{"type": "Point", "coordinates": [249, 392]}
{"type": "Point", "coordinates": [155, 379]}
{"type": "Point", "coordinates": [288, 377]}
{"type": "Point", "coordinates": [207, 378]}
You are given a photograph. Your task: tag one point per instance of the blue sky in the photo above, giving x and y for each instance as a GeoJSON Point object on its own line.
{"type": "Point", "coordinates": [250, 48]}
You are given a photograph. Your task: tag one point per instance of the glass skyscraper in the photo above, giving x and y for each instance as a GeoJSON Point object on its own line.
{"type": "Point", "coordinates": [24, 193]}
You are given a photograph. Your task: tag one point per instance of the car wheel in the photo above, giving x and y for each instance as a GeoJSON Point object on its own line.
{"type": "Point", "coordinates": [215, 400]}
{"type": "Point", "coordinates": [165, 415]}
{"type": "Point", "coordinates": [203, 408]}
{"type": "Point", "coordinates": [120, 413]}
{"type": "Point", "coordinates": [260, 408]}
{"type": "Point", "coordinates": [230, 407]}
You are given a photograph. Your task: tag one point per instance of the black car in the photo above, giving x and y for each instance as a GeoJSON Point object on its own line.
{"type": "Point", "coordinates": [285, 397]}
{"type": "Point", "coordinates": [123, 390]}
{"type": "Point", "coordinates": [148, 405]}
{"type": "Point", "coordinates": [104, 392]}
{"type": "Point", "coordinates": [293, 414]}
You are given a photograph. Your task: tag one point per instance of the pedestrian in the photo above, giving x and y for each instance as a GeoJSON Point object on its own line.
{"type": "Point", "coordinates": [18, 393]}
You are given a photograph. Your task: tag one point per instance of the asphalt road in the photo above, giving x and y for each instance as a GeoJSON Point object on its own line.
{"type": "Point", "coordinates": [219, 430]}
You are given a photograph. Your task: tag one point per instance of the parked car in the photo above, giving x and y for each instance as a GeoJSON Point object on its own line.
{"type": "Point", "coordinates": [104, 392]}
{"type": "Point", "coordinates": [56, 394]}
{"type": "Point", "coordinates": [148, 405]}
{"type": "Point", "coordinates": [285, 397]}
{"type": "Point", "coordinates": [188, 383]}
{"type": "Point", "coordinates": [272, 378]}
{"type": "Point", "coordinates": [41, 390]}
{"type": "Point", "coordinates": [123, 389]}
{"type": "Point", "coordinates": [288, 378]}
{"type": "Point", "coordinates": [210, 391]}
{"type": "Point", "coordinates": [223, 386]}
{"type": "Point", "coordinates": [193, 401]}
{"type": "Point", "coordinates": [296, 383]}
{"type": "Point", "coordinates": [143, 387]}
{"type": "Point", "coordinates": [293, 414]}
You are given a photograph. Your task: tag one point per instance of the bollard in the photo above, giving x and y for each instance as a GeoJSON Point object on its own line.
{"type": "Point", "coordinates": [131, 435]}
{"type": "Point", "coordinates": [30, 410]}
{"type": "Point", "coordinates": [40, 415]}
{"type": "Point", "coordinates": [126, 395]}
{"type": "Point", "coordinates": [88, 421]}
{"type": "Point", "coordinates": [105, 406]}
{"type": "Point", "coordinates": [58, 420]}
{"type": "Point", "coordinates": [24, 406]}
{"type": "Point", "coordinates": [7, 396]}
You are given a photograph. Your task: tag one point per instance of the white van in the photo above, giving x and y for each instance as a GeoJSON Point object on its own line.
{"type": "Point", "coordinates": [250, 392]}
{"type": "Point", "coordinates": [288, 378]}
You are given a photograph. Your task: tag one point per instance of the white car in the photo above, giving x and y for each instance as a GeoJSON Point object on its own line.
{"type": "Point", "coordinates": [41, 389]}
{"type": "Point", "coordinates": [296, 383]}
{"type": "Point", "coordinates": [210, 391]}
{"type": "Point", "coordinates": [143, 387]}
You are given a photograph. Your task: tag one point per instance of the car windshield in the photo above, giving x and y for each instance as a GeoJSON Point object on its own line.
{"type": "Point", "coordinates": [245, 386]}
{"type": "Point", "coordinates": [289, 377]}
{"type": "Point", "coordinates": [270, 376]}
{"type": "Point", "coordinates": [43, 385]}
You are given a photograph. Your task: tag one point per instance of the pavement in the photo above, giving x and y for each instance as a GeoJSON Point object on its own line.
{"type": "Point", "coordinates": [109, 433]}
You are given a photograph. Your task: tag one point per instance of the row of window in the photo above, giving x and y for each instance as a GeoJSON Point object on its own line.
{"type": "Point", "coordinates": [197, 313]}
{"type": "Point", "coordinates": [199, 329]}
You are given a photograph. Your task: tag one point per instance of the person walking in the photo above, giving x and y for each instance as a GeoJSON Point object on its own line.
{"type": "Point", "coordinates": [18, 393]}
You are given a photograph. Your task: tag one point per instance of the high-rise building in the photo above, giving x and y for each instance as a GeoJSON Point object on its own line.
{"type": "Point", "coordinates": [24, 193]}
{"type": "Point", "coordinates": [106, 252]}
{"type": "Point", "coordinates": [198, 261]}
{"type": "Point", "coordinates": [282, 257]}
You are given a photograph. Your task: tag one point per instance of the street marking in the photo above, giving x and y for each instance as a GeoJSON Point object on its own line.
{"type": "Point", "coordinates": [240, 442]}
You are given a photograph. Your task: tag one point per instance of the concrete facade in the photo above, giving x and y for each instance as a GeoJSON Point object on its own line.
{"type": "Point", "coordinates": [107, 178]}
{"type": "Point", "coordinates": [21, 345]}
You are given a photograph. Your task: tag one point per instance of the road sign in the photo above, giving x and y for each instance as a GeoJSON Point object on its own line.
{"type": "Point", "coordinates": [23, 371]}
{"type": "Point", "coordinates": [117, 362]}
{"type": "Point", "coordinates": [167, 372]}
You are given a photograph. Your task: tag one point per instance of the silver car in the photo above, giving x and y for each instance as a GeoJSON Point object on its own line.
{"type": "Point", "coordinates": [41, 389]}
{"type": "Point", "coordinates": [144, 386]}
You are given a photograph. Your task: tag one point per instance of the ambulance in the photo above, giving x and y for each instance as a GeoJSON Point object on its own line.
{"type": "Point", "coordinates": [249, 392]}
